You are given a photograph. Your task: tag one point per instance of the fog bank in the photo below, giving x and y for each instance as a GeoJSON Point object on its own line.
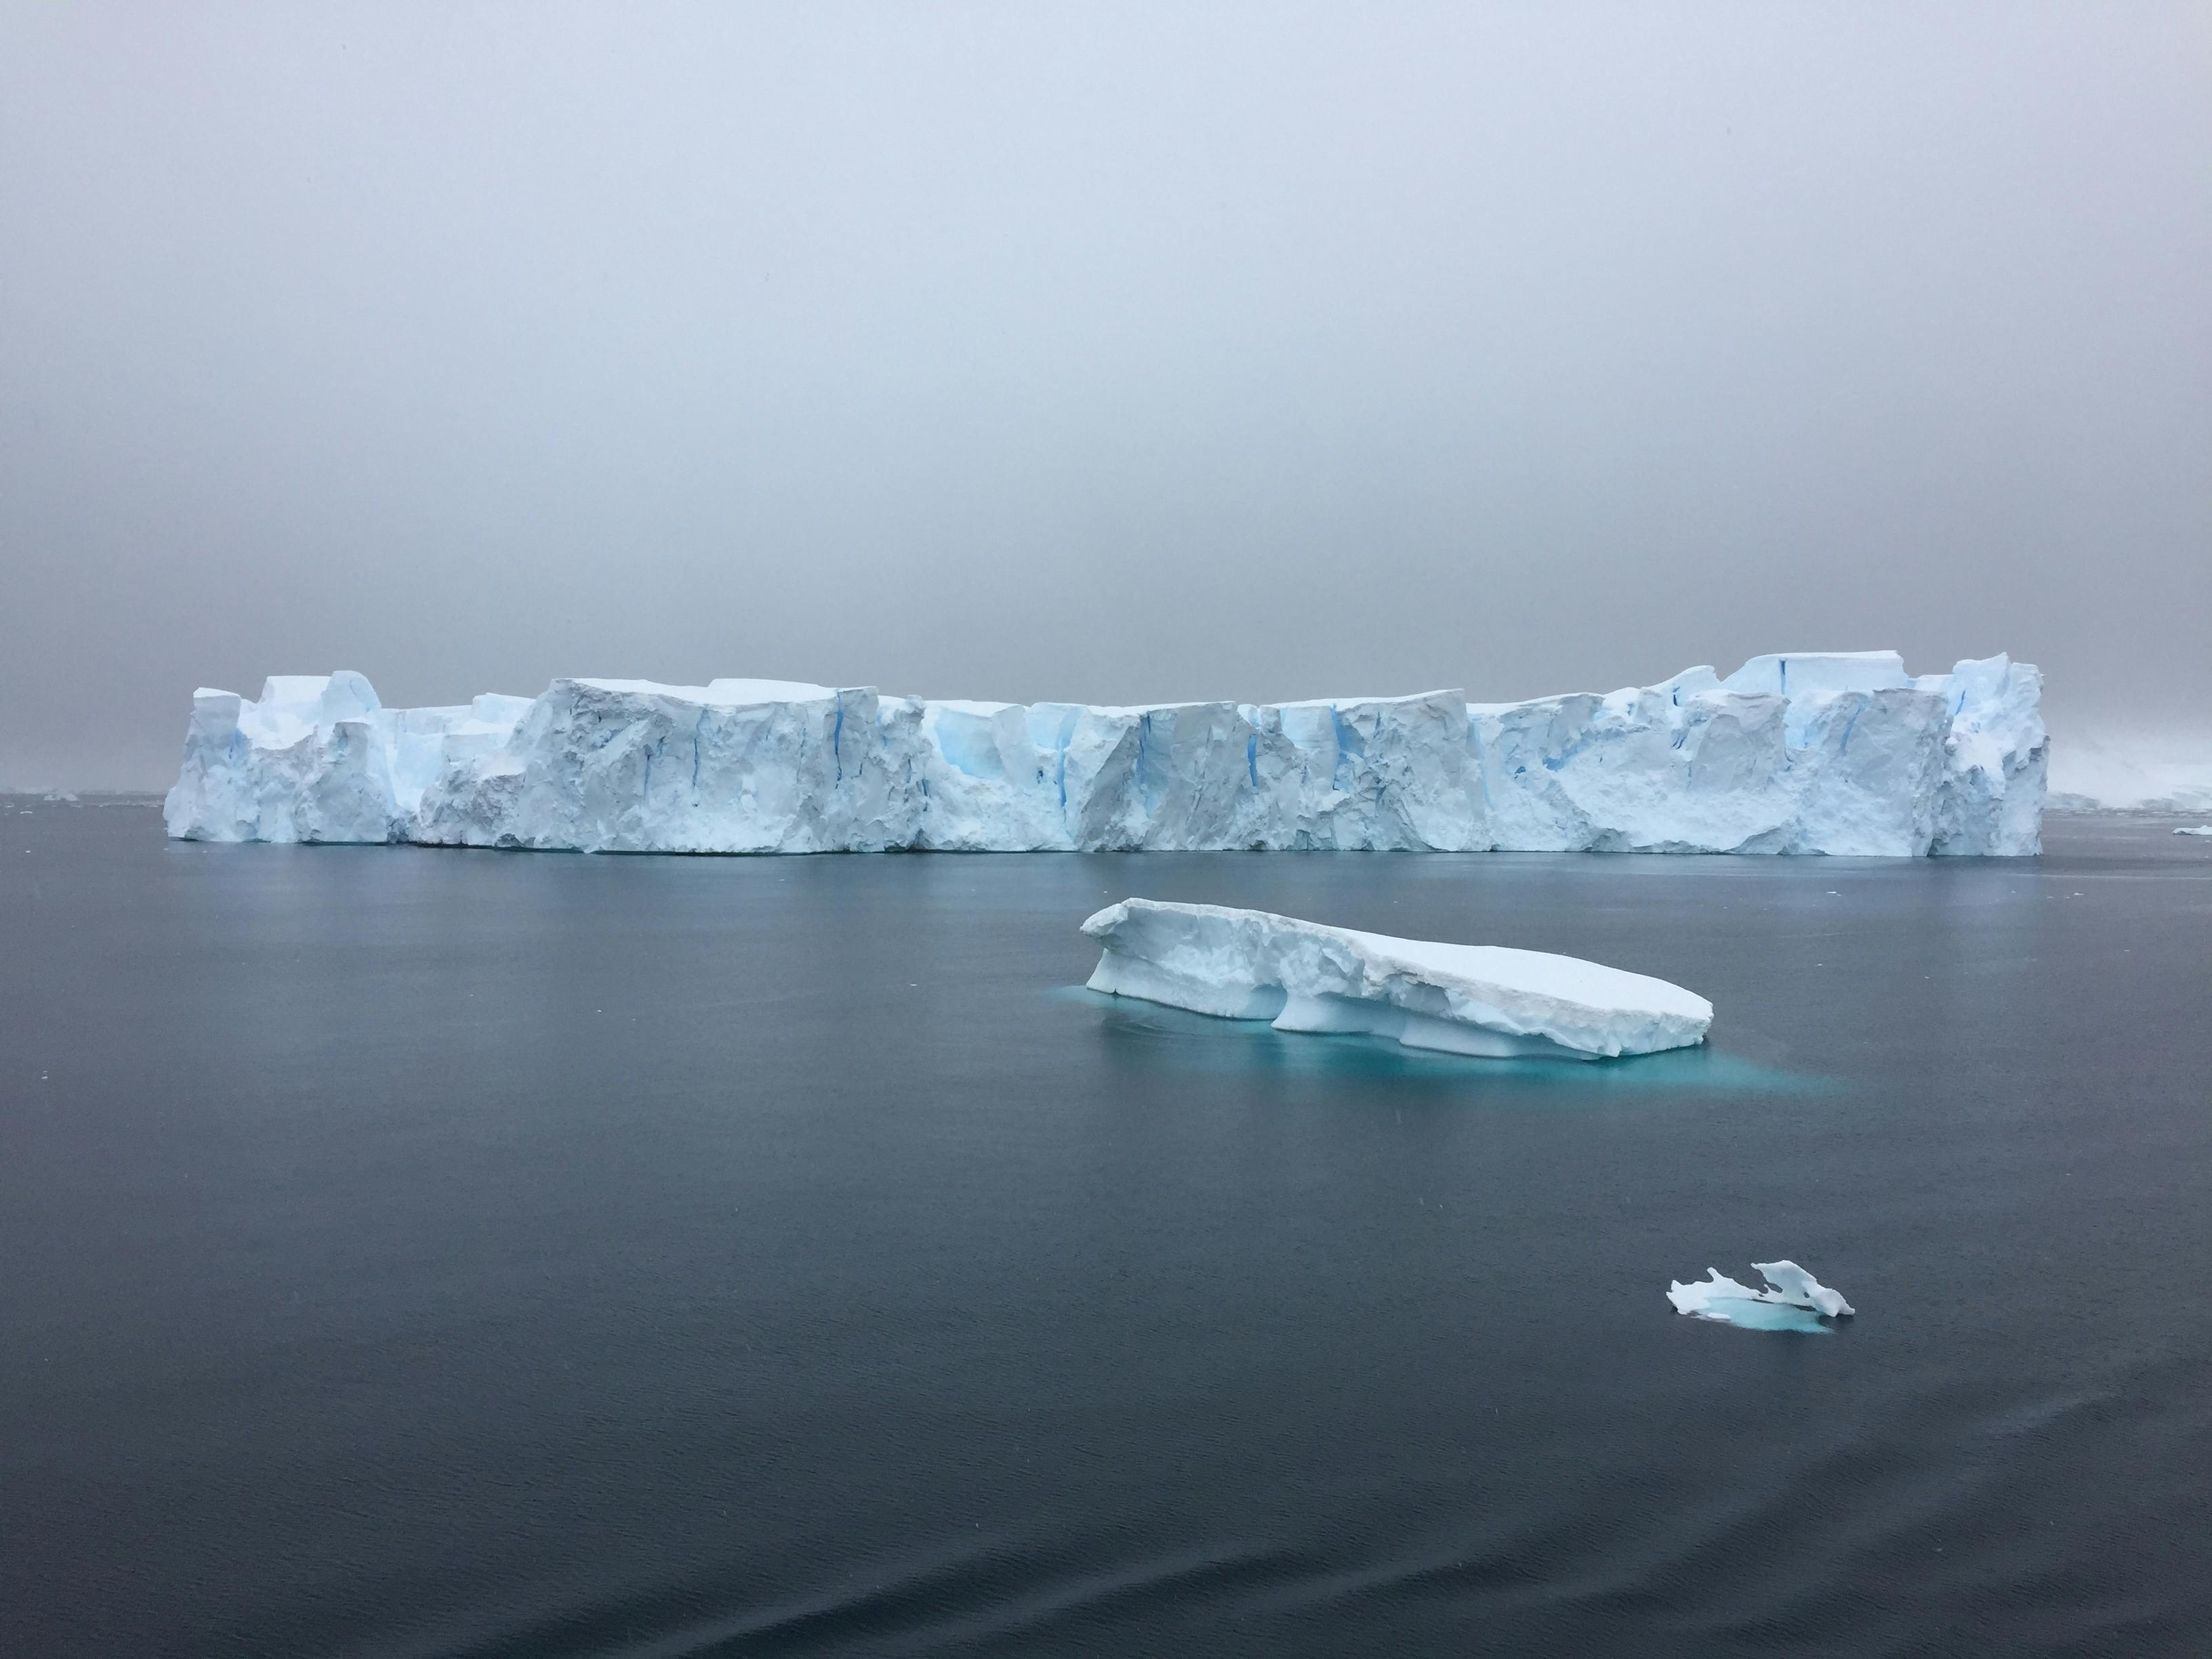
{"type": "Point", "coordinates": [1110, 355]}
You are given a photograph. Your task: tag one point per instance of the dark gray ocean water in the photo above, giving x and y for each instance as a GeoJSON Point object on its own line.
{"type": "Point", "coordinates": [419, 1253]}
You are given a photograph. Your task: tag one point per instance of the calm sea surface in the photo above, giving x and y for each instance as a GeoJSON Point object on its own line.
{"type": "Point", "coordinates": [414, 1252]}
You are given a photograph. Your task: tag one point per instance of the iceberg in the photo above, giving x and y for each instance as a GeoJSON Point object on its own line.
{"type": "Point", "coordinates": [2195, 829]}
{"type": "Point", "coordinates": [1795, 1300]}
{"type": "Point", "coordinates": [1481, 999]}
{"type": "Point", "coordinates": [1805, 752]}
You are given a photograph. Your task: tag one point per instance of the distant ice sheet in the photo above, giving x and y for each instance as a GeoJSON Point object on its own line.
{"type": "Point", "coordinates": [2132, 772]}
{"type": "Point", "coordinates": [1478, 999]}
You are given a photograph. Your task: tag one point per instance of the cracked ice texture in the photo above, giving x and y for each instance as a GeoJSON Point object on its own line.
{"type": "Point", "coordinates": [1806, 752]}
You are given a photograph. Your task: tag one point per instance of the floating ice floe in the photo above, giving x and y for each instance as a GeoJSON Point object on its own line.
{"type": "Point", "coordinates": [1795, 1302]}
{"type": "Point", "coordinates": [1481, 999]}
{"type": "Point", "coordinates": [2195, 829]}
{"type": "Point", "coordinates": [1804, 752]}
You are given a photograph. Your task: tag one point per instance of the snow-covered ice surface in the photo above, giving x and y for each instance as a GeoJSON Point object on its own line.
{"type": "Point", "coordinates": [1795, 1300]}
{"type": "Point", "coordinates": [1481, 999]}
{"type": "Point", "coordinates": [1809, 752]}
{"type": "Point", "coordinates": [2195, 829]}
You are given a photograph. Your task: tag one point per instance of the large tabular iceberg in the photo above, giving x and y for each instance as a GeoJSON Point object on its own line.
{"type": "Point", "coordinates": [1805, 753]}
{"type": "Point", "coordinates": [1461, 998]}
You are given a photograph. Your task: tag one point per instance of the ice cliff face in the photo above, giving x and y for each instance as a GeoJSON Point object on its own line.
{"type": "Point", "coordinates": [1805, 753]}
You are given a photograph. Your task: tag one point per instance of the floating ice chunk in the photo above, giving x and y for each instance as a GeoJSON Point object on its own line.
{"type": "Point", "coordinates": [1482, 1000]}
{"type": "Point", "coordinates": [2195, 829]}
{"type": "Point", "coordinates": [1795, 1302]}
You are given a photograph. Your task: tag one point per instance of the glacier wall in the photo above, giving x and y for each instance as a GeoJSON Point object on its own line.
{"type": "Point", "coordinates": [1802, 752]}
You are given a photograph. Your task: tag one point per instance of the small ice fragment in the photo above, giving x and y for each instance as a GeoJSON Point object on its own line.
{"type": "Point", "coordinates": [1796, 1301]}
{"type": "Point", "coordinates": [2195, 829]}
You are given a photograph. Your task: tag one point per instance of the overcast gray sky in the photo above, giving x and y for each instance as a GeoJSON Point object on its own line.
{"type": "Point", "coordinates": [1112, 352]}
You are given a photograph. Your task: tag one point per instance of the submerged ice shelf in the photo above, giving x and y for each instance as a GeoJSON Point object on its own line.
{"type": "Point", "coordinates": [1807, 752]}
{"type": "Point", "coordinates": [1481, 999]}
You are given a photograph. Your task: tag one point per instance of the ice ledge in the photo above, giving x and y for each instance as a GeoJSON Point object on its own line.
{"type": "Point", "coordinates": [1481, 999]}
{"type": "Point", "coordinates": [1802, 752]}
